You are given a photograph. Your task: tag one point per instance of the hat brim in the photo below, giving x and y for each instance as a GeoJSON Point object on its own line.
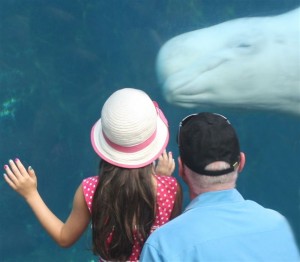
{"type": "Point", "coordinates": [137, 159]}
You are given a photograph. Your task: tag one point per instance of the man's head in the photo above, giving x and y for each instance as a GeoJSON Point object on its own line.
{"type": "Point", "coordinates": [206, 138]}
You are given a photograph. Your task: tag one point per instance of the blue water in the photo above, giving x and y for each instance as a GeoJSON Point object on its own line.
{"type": "Point", "coordinates": [60, 60]}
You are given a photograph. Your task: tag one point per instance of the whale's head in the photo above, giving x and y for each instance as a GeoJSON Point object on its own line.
{"type": "Point", "coordinates": [243, 62]}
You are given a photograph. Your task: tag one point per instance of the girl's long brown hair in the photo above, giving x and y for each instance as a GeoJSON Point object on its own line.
{"type": "Point", "coordinates": [123, 203]}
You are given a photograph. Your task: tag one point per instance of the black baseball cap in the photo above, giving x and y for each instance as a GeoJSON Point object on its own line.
{"type": "Point", "coordinates": [204, 138]}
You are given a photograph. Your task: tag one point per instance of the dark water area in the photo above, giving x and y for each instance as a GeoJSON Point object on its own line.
{"type": "Point", "coordinates": [59, 62]}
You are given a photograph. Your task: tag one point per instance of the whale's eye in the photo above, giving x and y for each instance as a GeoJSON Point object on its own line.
{"type": "Point", "coordinates": [245, 48]}
{"type": "Point", "coordinates": [244, 45]}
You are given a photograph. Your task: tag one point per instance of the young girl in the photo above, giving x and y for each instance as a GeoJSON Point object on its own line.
{"type": "Point", "coordinates": [131, 196]}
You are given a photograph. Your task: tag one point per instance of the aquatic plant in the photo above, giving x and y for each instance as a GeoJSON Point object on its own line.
{"type": "Point", "coordinates": [8, 108]}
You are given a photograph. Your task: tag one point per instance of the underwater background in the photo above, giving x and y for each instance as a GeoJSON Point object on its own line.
{"type": "Point", "coordinates": [59, 62]}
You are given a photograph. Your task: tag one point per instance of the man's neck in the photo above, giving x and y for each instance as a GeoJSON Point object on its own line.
{"type": "Point", "coordinates": [196, 192]}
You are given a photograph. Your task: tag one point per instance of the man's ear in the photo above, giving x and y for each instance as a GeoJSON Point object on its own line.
{"type": "Point", "coordinates": [180, 168]}
{"type": "Point", "coordinates": [242, 162]}
{"type": "Point", "coordinates": [181, 171]}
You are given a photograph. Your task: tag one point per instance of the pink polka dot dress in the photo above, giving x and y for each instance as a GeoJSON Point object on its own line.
{"type": "Point", "coordinates": [165, 199]}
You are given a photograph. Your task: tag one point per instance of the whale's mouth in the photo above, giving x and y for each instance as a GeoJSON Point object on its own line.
{"type": "Point", "coordinates": [190, 83]}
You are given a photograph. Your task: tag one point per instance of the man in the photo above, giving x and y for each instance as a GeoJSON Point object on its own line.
{"type": "Point", "coordinates": [219, 224]}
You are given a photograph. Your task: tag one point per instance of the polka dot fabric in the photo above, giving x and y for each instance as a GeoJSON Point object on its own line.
{"type": "Point", "coordinates": [165, 199]}
{"type": "Point", "coordinates": [89, 186]}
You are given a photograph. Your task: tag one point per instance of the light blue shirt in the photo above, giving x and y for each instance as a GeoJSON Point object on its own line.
{"type": "Point", "coordinates": [222, 226]}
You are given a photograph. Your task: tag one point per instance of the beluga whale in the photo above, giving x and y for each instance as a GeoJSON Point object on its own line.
{"type": "Point", "coordinates": [251, 63]}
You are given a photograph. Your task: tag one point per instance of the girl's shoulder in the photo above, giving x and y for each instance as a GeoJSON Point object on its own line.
{"type": "Point", "coordinates": [166, 180]}
{"type": "Point", "coordinates": [166, 185]}
{"type": "Point", "coordinates": [89, 186]}
{"type": "Point", "coordinates": [90, 181]}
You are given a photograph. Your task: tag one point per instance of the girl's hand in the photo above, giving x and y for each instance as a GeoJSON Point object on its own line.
{"type": "Point", "coordinates": [165, 165]}
{"type": "Point", "coordinates": [21, 180]}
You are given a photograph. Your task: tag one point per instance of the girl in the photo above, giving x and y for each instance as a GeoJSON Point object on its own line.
{"type": "Point", "coordinates": [130, 197]}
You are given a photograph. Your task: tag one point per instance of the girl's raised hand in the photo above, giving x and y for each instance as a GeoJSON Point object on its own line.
{"type": "Point", "coordinates": [165, 165]}
{"type": "Point", "coordinates": [21, 180]}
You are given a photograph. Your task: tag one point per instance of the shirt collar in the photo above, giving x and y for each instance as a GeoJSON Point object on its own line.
{"type": "Point", "coordinates": [215, 197]}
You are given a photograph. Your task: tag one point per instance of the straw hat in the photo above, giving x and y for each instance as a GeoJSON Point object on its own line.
{"type": "Point", "coordinates": [132, 131]}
